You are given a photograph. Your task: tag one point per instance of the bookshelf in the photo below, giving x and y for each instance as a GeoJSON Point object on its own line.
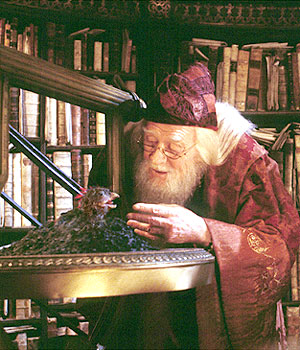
{"type": "Point", "coordinates": [159, 31]}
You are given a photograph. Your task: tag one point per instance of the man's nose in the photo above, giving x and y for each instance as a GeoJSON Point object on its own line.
{"type": "Point", "coordinates": [158, 157]}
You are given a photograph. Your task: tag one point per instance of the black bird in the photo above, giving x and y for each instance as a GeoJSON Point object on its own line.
{"type": "Point", "coordinates": [90, 228]}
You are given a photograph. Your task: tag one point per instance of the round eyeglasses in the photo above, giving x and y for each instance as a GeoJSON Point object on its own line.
{"type": "Point", "coordinates": [171, 150]}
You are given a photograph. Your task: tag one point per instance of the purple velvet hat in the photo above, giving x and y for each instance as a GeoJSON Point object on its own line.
{"type": "Point", "coordinates": [185, 99]}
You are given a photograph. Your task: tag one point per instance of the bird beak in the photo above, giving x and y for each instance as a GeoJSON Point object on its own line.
{"type": "Point", "coordinates": [110, 203]}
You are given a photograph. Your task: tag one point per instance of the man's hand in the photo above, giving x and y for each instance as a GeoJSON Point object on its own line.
{"type": "Point", "coordinates": [169, 223]}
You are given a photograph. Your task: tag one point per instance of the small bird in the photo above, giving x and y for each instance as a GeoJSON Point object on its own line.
{"type": "Point", "coordinates": [86, 229]}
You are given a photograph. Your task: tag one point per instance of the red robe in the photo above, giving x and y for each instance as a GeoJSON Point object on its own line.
{"type": "Point", "coordinates": [255, 230]}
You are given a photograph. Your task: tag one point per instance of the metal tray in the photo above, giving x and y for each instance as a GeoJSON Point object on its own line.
{"type": "Point", "coordinates": [104, 274]}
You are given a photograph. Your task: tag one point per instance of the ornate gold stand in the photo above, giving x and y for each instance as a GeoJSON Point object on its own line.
{"type": "Point", "coordinates": [104, 274]}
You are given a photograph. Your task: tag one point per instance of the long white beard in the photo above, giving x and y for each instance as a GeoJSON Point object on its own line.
{"type": "Point", "coordinates": [178, 187]}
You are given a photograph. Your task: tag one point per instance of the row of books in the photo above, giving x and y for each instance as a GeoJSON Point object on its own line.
{"type": "Point", "coordinates": [253, 77]}
{"type": "Point", "coordinates": [92, 50]}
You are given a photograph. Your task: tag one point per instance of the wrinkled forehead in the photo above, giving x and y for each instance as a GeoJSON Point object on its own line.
{"type": "Point", "coordinates": [173, 132]}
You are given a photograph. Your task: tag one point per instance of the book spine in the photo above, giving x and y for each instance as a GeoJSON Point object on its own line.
{"type": "Point", "coordinates": [50, 195]}
{"type": "Point", "coordinates": [241, 80]}
{"type": "Point", "coordinates": [76, 140]}
{"type": "Point", "coordinates": [60, 44]}
{"type": "Point", "coordinates": [51, 29]}
{"type": "Point", "coordinates": [106, 55]}
{"type": "Point", "coordinates": [8, 189]}
{"type": "Point", "coordinates": [100, 128]}
{"type": "Point", "coordinates": [2, 30]}
{"type": "Point", "coordinates": [17, 187]}
{"type": "Point", "coordinates": [98, 53]}
{"type": "Point", "coordinates": [263, 86]}
{"type": "Point", "coordinates": [35, 191]}
{"type": "Point", "coordinates": [92, 128]}
{"type": "Point", "coordinates": [76, 165]}
{"type": "Point", "coordinates": [31, 114]}
{"type": "Point", "coordinates": [26, 187]}
{"type": "Point", "coordinates": [61, 123]}
{"type": "Point", "coordinates": [290, 81]}
{"type": "Point", "coordinates": [282, 88]}
{"type": "Point", "coordinates": [63, 200]}
{"type": "Point", "coordinates": [77, 64]}
{"type": "Point", "coordinates": [51, 121]}
{"type": "Point", "coordinates": [226, 72]}
{"type": "Point", "coordinates": [253, 79]}
{"type": "Point", "coordinates": [288, 165]}
{"type": "Point", "coordinates": [233, 73]}
{"type": "Point", "coordinates": [213, 54]}
{"type": "Point", "coordinates": [14, 107]}
{"type": "Point", "coordinates": [84, 126]}
{"type": "Point", "coordinates": [133, 65]}
{"type": "Point", "coordinates": [295, 74]}
{"type": "Point", "coordinates": [87, 162]}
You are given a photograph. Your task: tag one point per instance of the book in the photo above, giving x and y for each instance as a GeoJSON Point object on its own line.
{"type": "Point", "coordinates": [50, 32]}
{"type": "Point", "coordinates": [14, 107]}
{"type": "Point", "coordinates": [13, 33]}
{"type": "Point", "coordinates": [133, 66]}
{"type": "Point", "coordinates": [92, 128]}
{"type": "Point", "coordinates": [35, 191]}
{"type": "Point", "coordinates": [98, 52]}
{"type": "Point", "coordinates": [77, 64]}
{"type": "Point", "coordinates": [49, 195]}
{"type": "Point", "coordinates": [219, 81]}
{"type": "Point", "coordinates": [87, 162]}
{"type": "Point", "coordinates": [100, 129]}
{"type": "Point", "coordinates": [76, 165]}
{"type": "Point", "coordinates": [63, 200]}
{"type": "Point", "coordinates": [76, 125]}
{"type": "Point", "coordinates": [226, 72]}
{"type": "Point", "coordinates": [126, 51]}
{"type": "Point", "coordinates": [295, 75]}
{"type": "Point", "coordinates": [253, 78]}
{"type": "Point", "coordinates": [2, 30]}
{"type": "Point", "coordinates": [26, 187]}
{"type": "Point", "coordinates": [213, 55]}
{"type": "Point", "coordinates": [7, 33]}
{"type": "Point", "coordinates": [17, 187]}
{"type": "Point", "coordinates": [51, 121]}
{"type": "Point", "coordinates": [106, 56]}
{"type": "Point", "coordinates": [241, 80]}
{"type": "Point", "coordinates": [84, 122]}
{"type": "Point", "coordinates": [76, 141]}
{"type": "Point", "coordinates": [233, 73]}
{"type": "Point", "coordinates": [8, 189]}
{"type": "Point", "coordinates": [59, 44]}
{"type": "Point", "coordinates": [289, 164]}
{"type": "Point", "coordinates": [282, 88]}
{"type": "Point", "coordinates": [61, 123]}
{"type": "Point", "coordinates": [263, 85]}
{"type": "Point", "coordinates": [30, 113]}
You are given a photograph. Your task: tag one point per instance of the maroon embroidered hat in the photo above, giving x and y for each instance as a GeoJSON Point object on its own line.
{"type": "Point", "coordinates": [185, 99]}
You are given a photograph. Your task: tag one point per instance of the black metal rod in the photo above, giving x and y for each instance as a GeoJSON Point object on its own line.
{"type": "Point", "coordinates": [43, 162]}
{"type": "Point", "coordinates": [67, 322]}
{"type": "Point", "coordinates": [21, 210]}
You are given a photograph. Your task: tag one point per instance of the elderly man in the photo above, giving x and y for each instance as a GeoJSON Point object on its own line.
{"type": "Point", "coordinates": [200, 179]}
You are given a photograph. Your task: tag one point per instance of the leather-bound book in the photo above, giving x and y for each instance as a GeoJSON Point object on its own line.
{"type": "Point", "coordinates": [233, 73]}
{"type": "Point", "coordinates": [241, 80]}
{"type": "Point", "coordinates": [253, 78]}
{"type": "Point", "coordinates": [226, 72]}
